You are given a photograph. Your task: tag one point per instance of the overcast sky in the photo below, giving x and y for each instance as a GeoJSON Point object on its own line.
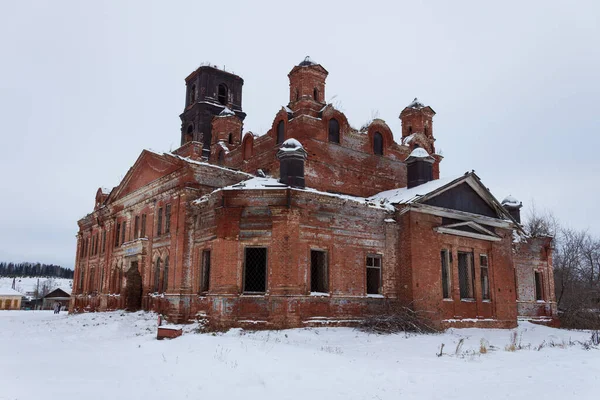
{"type": "Point", "coordinates": [85, 86]}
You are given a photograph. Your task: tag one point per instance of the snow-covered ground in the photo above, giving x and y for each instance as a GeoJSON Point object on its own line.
{"type": "Point", "coordinates": [116, 356]}
{"type": "Point", "coordinates": [29, 284]}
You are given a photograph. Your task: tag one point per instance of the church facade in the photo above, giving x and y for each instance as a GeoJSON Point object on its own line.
{"type": "Point", "coordinates": [313, 223]}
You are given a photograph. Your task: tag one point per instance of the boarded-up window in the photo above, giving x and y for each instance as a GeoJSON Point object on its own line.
{"type": "Point", "coordinates": [539, 288]}
{"type": "Point", "coordinates": [318, 271]}
{"type": "Point", "coordinates": [255, 270]}
{"type": "Point", "coordinates": [466, 275]}
{"type": "Point", "coordinates": [280, 132]}
{"type": "Point", "coordinates": [159, 224]}
{"type": "Point", "coordinates": [378, 144]}
{"type": "Point", "coordinates": [334, 130]}
{"type": "Point", "coordinates": [485, 277]}
{"type": "Point", "coordinates": [167, 218]}
{"type": "Point", "coordinates": [373, 274]}
{"type": "Point", "coordinates": [446, 275]}
{"type": "Point", "coordinates": [205, 275]}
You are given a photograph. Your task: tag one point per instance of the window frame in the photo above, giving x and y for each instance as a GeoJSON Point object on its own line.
{"type": "Point", "coordinates": [367, 266]}
{"type": "Point", "coordinates": [539, 285]}
{"type": "Point", "coordinates": [159, 222]}
{"type": "Point", "coordinates": [446, 261]}
{"type": "Point", "coordinates": [325, 275]}
{"type": "Point", "coordinates": [486, 293]}
{"type": "Point", "coordinates": [167, 229]}
{"type": "Point", "coordinates": [470, 275]}
{"type": "Point", "coordinates": [378, 151]}
{"type": "Point", "coordinates": [337, 138]}
{"type": "Point", "coordinates": [205, 264]}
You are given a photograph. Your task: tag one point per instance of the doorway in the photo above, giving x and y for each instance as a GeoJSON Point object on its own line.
{"type": "Point", "coordinates": [133, 288]}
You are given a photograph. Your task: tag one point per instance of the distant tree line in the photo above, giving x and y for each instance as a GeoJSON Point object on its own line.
{"type": "Point", "coordinates": [576, 262]}
{"type": "Point", "coordinates": [34, 270]}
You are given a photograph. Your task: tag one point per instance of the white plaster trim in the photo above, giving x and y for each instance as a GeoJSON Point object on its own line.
{"type": "Point", "coordinates": [457, 232]}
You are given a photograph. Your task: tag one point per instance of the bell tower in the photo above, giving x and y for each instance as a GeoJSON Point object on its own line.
{"type": "Point", "coordinates": [307, 87]}
{"type": "Point", "coordinates": [209, 90]}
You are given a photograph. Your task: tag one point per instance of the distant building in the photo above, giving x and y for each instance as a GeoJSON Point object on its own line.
{"type": "Point", "coordinates": [10, 299]}
{"type": "Point", "coordinates": [56, 296]}
{"type": "Point", "coordinates": [314, 222]}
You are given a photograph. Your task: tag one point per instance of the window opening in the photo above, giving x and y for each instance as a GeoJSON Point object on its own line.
{"type": "Point", "coordinates": [157, 275]}
{"type": "Point", "coordinates": [205, 276]}
{"type": "Point", "coordinates": [230, 139]}
{"type": "Point", "coordinates": [222, 94]}
{"type": "Point", "coordinates": [334, 130]}
{"type": "Point", "coordinates": [255, 269]}
{"type": "Point", "coordinates": [316, 94]}
{"type": "Point", "coordinates": [318, 271]}
{"type": "Point", "coordinates": [193, 94]}
{"type": "Point", "coordinates": [136, 227]}
{"type": "Point", "coordinates": [446, 276]}
{"type": "Point", "coordinates": [374, 274]}
{"type": "Point", "coordinates": [378, 144]}
{"type": "Point", "coordinates": [165, 282]}
{"type": "Point", "coordinates": [539, 293]}
{"type": "Point", "coordinates": [143, 232]}
{"type": "Point", "coordinates": [159, 226]}
{"type": "Point", "coordinates": [167, 218]}
{"type": "Point", "coordinates": [123, 230]}
{"type": "Point", "coordinates": [466, 275]}
{"type": "Point", "coordinates": [485, 277]}
{"type": "Point", "coordinates": [280, 132]}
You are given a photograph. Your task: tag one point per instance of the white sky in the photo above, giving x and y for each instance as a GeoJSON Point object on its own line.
{"type": "Point", "coordinates": [85, 86]}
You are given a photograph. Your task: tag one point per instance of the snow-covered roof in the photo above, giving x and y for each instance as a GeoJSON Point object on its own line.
{"type": "Point", "coordinates": [419, 152]}
{"type": "Point", "coordinates": [7, 291]}
{"type": "Point", "coordinates": [224, 146]}
{"type": "Point", "coordinates": [269, 183]}
{"type": "Point", "coordinates": [288, 110]}
{"type": "Point", "coordinates": [307, 62]}
{"type": "Point", "coordinates": [416, 104]}
{"type": "Point", "coordinates": [405, 195]}
{"type": "Point", "coordinates": [226, 112]}
{"type": "Point", "coordinates": [510, 201]}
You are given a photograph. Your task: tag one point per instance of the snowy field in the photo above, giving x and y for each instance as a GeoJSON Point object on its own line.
{"type": "Point", "coordinates": [116, 356]}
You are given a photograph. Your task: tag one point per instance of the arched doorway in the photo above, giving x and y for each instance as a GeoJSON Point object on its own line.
{"type": "Point", "coordinates": [133, 288]}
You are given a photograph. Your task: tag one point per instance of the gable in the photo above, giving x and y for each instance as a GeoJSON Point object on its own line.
{"type": "Point", "coordinates": [463, 198]}
{"type": "Point", "coordinates": [148, 168]}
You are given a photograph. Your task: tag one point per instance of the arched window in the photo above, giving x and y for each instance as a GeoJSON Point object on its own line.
{"type": "Point", "coordinates": [157, 275]}
{"type": "Point", "coordinates": [334, 130]}
{"type": "Point", "coordinates": [165, 282]}
{"type": "Point", "coordinates": [316, 94]}
{"type": "Point", "coordinates": [378, 144]}
{"type": "Point", "coordinates": [409, 129]}
{"type": "Point", "coordinates": [221, 157]}
{"type": "Point", "coordinates": [192, 94]}
{"type": "Point", "coordinates": [280, 132]}
{"type": "Point", "coordinates": [222, 94]}
{"type": "Point", "coordinates": [230, 140]}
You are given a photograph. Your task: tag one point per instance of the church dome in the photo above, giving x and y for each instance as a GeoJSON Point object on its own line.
{"type": "Point", "coordinates": [307, 62]}
{"type": "Point", "coordinates": [510, 201]}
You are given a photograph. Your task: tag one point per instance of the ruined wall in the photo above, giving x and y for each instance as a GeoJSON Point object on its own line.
{"type": "Point", "coordinates": [535, 255]}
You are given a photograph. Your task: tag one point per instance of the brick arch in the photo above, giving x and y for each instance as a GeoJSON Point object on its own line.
{"type": "Point", "coordinates": [331, 113]}
{"type": "Point", "coordinates": [379, 125]}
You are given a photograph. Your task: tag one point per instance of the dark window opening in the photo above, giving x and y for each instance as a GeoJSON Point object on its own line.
{"type": "Point", "coordinates": [123, 231]}
{"type": "Point", "coordinates": [117, 233]}
{"type": "Point", "coordinates": [316, 94]}
{"type": "Point", "coordinates": [485, 277]}
{"type": "Point", "coordinates": [205, 276]}
{"type": "Point", "coordinates": [103, 241]}
{"type": "Point", "coordinates": [280, 132]}
{"type": "Point", "coordinates": [255, 270]}
{"type": "Point", "coordinates": [157, 275]}
{"type": "Point", "coordinates": [297, 95]}
{"type": "Point", "coordinates": [143, 231]}
{"type": "Point", "coordinates": [189, 135]}
{"type": "Point", "coordinates": [374, 274]}
{"type": "Point", "coordinates": [192, 94]}
{"type": "Point", "coordinates": [318, 271]}
{"type": "Point", "coordinates": [409, 129]}
{"type": "Point", "coordinates": [378, 144]}
{"type": "Point", "coordinates": [230, 139]}
{"type": "Point", "coordinates": [167, 218]}
{"type": "Point", "coordinates": [136, 227]}
{"type": "Point", "coordinates": [80, 281]}
{"type": "Point", "coordinates": [466, 275]}
{"type": "Point", "coordinates": [159, 225]}
{"type": "Point", "coordinates": [165, 282]}
{"type": "Point", "coordinates": [334, 130]}
{"type": "Point", "coordinates": [539, 292]}
{"type": "Point", "coordinates": [446, 276]}
{"type": "Point", "coordinates": [222, 94]}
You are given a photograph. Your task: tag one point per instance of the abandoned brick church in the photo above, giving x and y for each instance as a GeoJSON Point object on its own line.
{"type": "Point", "coordinates": [312, 223]}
